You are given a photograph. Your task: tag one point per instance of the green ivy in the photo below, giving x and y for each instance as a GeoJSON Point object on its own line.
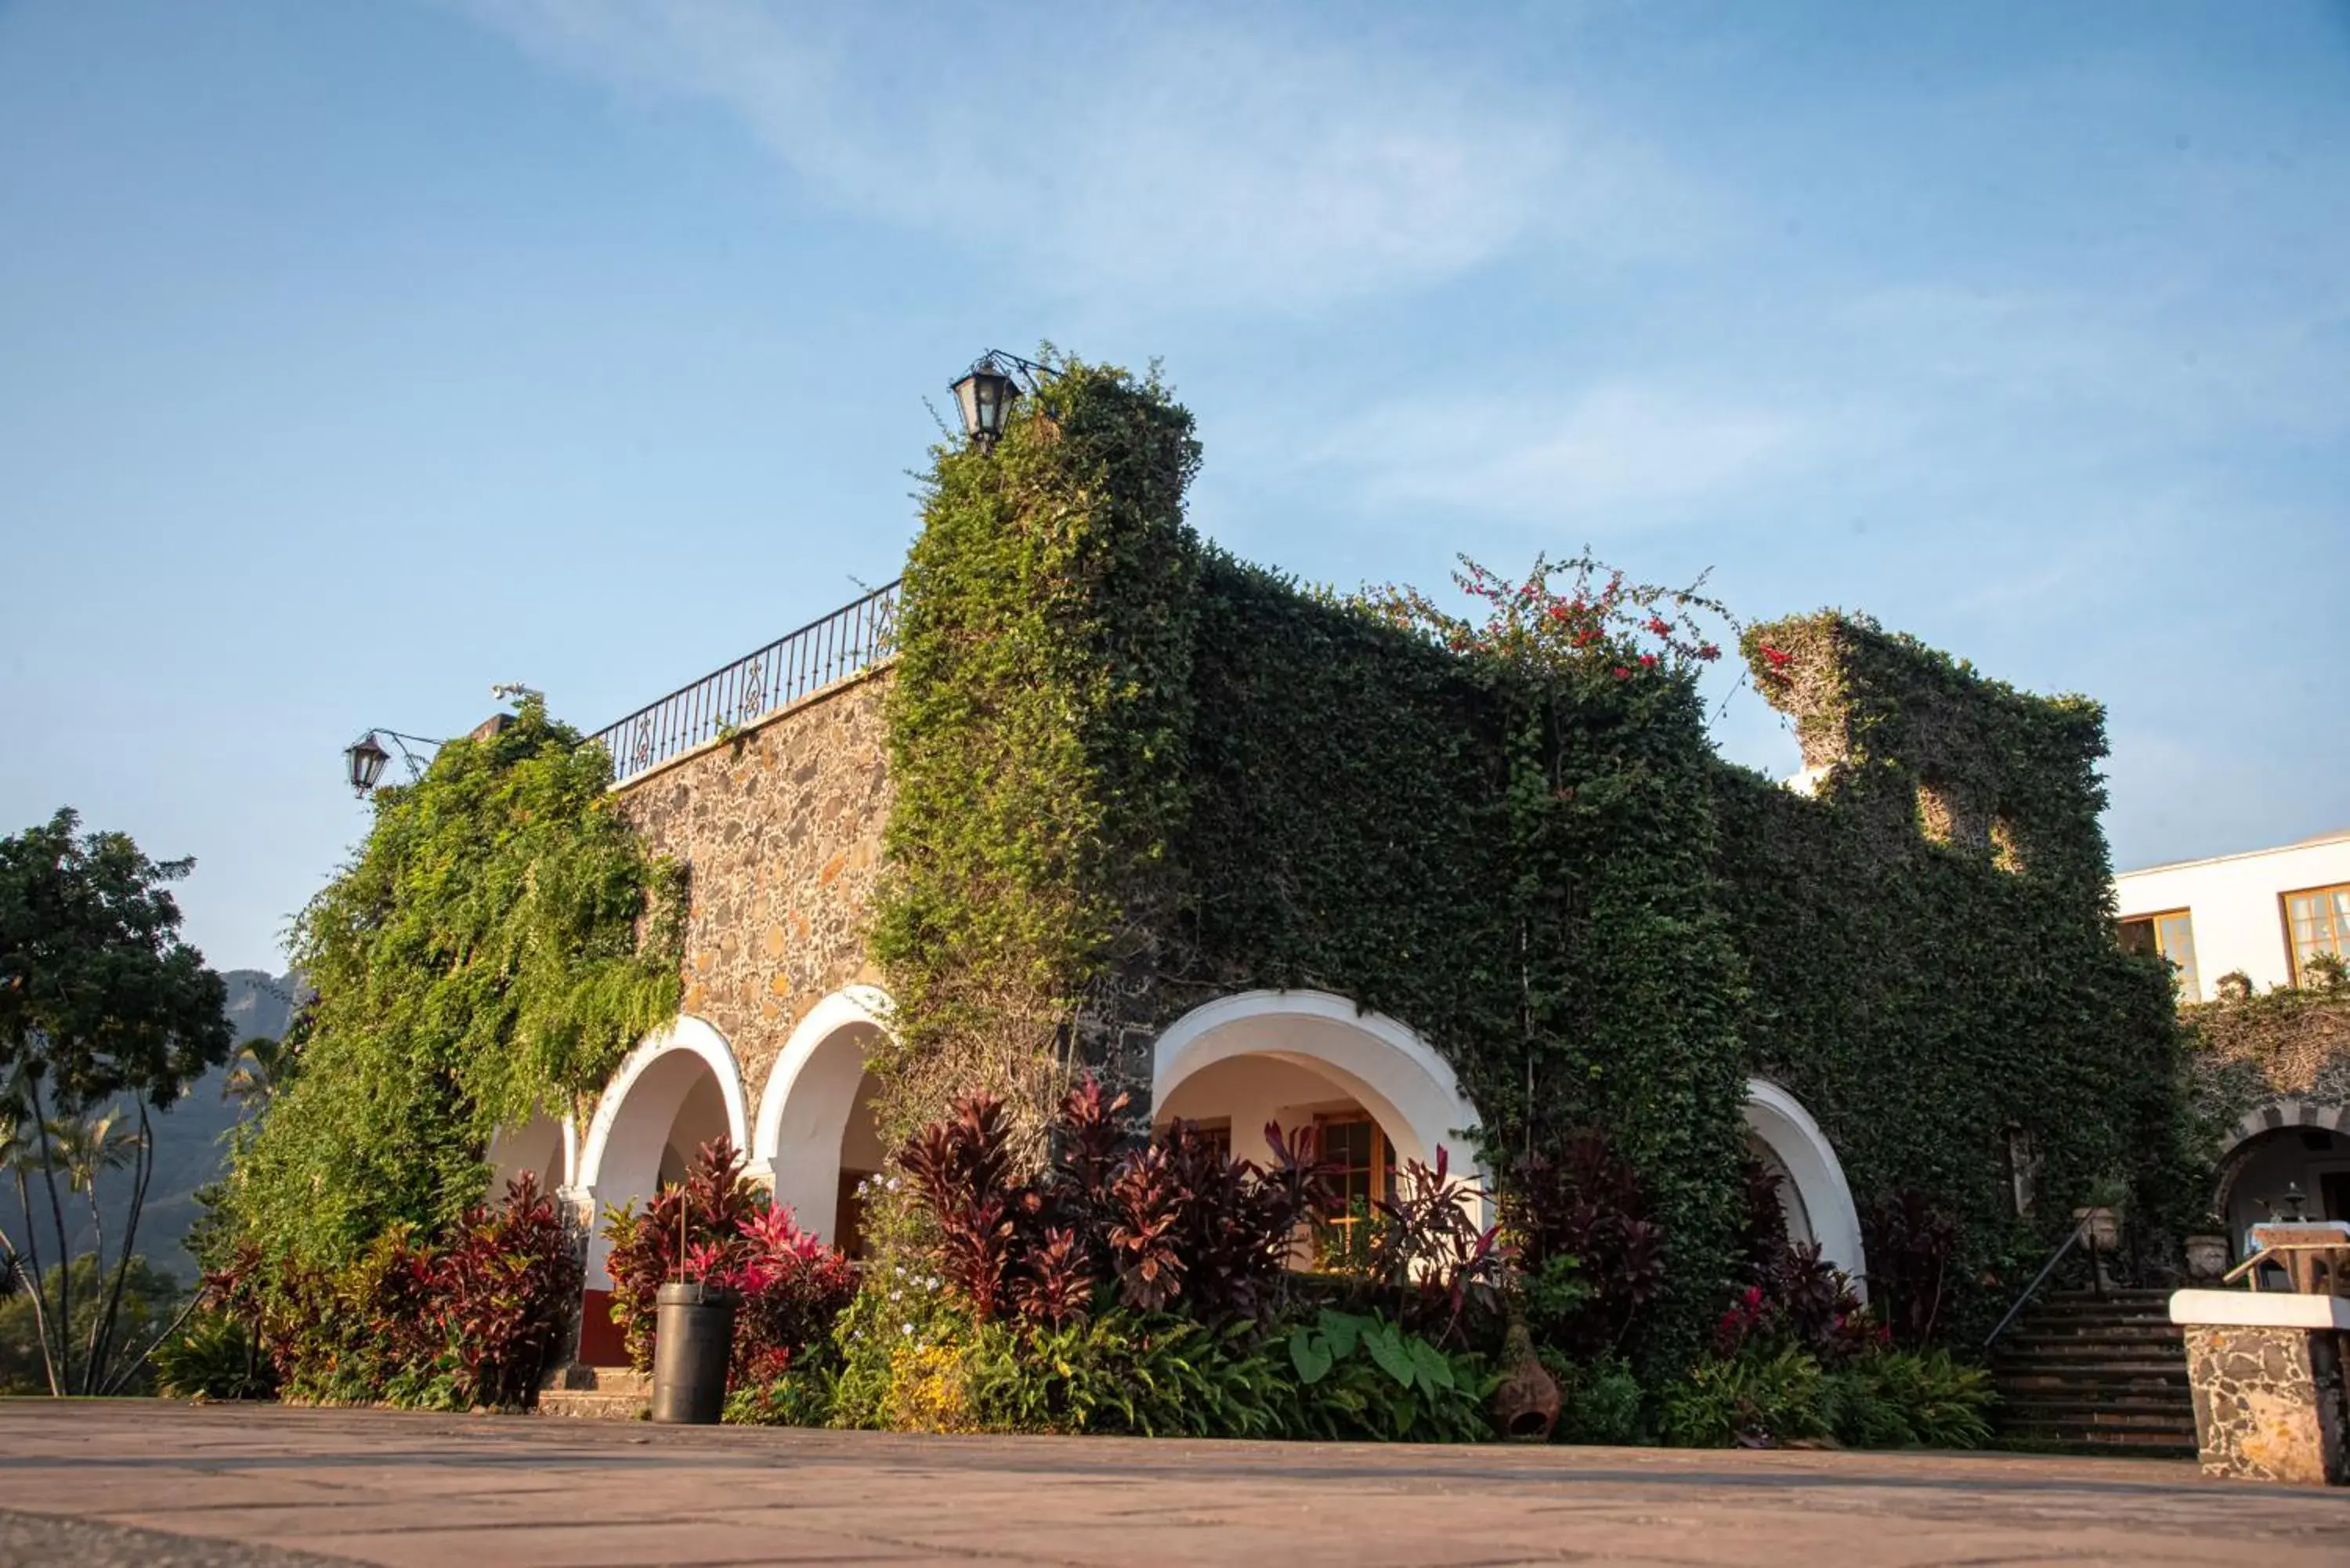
{"type": "Point", "coordinates": [499, 943]}
{"type": "Point", "coordinates": [1929, 943]}
{"type": "Point", "coordinates": [1133, 774]}
{"type": "Point", "coordinates": [1037, 732]}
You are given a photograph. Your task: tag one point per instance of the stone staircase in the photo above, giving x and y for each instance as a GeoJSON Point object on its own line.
{"type": "Point", "coordinates": [2104, 1374]}
{"type": "Point", "coordinates": [596, 1393]}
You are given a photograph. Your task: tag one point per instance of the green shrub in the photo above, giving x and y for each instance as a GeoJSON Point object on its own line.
{"type": "Point", "coordinates": [1150, 1376]}
{"type": "Point", "coordinates": [1365, 1378]}
{"type": "Point", "coordinates": [1898, 1398]}
{"type": "Point", "coordinates": [1600, 1401]}
{"type": "Point", "coordinates": [213, 1356]}
{"type": "Point", "coordinates": [1773, 1399]}
{"type": "Point", "coordinates": [806, 1396]}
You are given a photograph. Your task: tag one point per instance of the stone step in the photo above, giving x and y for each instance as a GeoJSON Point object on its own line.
{"type": "Point", "coordinates": [2063, 1361]}
{"type": "Point", "coordinates": [596, 1393]}
{"type": "Point", "coordinates": [588, 1405]}
{"type": "Point", "coordinates": [2114, 1387]}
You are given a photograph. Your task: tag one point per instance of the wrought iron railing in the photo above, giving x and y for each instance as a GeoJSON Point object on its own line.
{"type": "Point", "coordinates": [849, 640]}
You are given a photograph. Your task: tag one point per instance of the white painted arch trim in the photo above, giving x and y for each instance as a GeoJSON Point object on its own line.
{"type": "Point", "coordinates": [1779, 1119]}
{"type": "Point", "coordinates": [1398, 1076]}
{"type": "Point", "coordinates": [687, 1033]}
{"type": "Point", "coordinates": [810, 1094]}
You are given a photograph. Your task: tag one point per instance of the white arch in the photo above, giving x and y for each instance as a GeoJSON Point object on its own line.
{"type": "Point", "coordinates": [1779, 1119]}
{"type": "Point", "coordinates": [1398, 1076]}
{"type": "Point", "coordinates": [652, 1097]}
{"type": "Point", "coordinates": [541, 1145]}
{"type": "Point", "coordinates": [804, 1110]}
{"type": "Point", "coordinates": [622, 1158]}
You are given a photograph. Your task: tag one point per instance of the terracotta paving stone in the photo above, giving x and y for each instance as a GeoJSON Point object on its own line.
{"type": "Point", "coordinates": [228, 1485]}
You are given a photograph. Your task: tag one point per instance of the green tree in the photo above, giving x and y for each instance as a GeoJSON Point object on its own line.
{"type": "Point", "coordinates": [99, 1001]}
{"type": "Point", "coordinates": [149, 1300]}
{"type": "Point", "coordinates": [501, 941]}
{"type": "Point", "coordinates": [257, 1070]}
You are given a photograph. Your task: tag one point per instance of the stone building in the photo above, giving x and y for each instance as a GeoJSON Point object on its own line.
{"type": "Point", "coordinates": [1895, 972]}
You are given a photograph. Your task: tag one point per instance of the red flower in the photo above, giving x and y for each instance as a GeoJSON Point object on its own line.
{"type": "Point", "coordinates": [1650, 659]}
{"type": "Point", "coordinates": [1621, 674]}
{"type": "Point", "coordinates": [1779, 657]}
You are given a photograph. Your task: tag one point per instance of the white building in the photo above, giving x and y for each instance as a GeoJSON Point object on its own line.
{"type": "Point", "coordinates": [2262, 912]}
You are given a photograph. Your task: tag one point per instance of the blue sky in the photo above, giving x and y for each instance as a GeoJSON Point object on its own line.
{"type": "Point", "coordinates": [355, 356]}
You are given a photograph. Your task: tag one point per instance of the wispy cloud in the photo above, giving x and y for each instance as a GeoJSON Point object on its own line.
{"type": "Point", "coordinates": [1624, 450]}
{"type": "Point", "coordinates": [1204, 159]}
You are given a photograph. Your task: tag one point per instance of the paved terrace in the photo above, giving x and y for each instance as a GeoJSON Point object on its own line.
{"type": "Point", "coordinates": [92, 1484]}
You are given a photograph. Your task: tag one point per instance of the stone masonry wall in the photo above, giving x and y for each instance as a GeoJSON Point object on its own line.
{"type": "Point", "coordinates": [2268, 1403]}
{"type": "Point", "coordinates": [780, 830]}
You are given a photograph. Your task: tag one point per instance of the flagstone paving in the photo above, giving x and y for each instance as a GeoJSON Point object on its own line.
{"type": "Point", "coordinates": [92, 1483]}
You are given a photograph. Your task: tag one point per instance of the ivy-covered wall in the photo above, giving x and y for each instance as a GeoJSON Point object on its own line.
{"type": "Point", "coordinates": [1929, 947]}
{"type": "Point", "coordinates": [1132, 774]}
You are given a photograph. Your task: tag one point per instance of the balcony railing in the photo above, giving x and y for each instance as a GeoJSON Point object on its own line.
{"type": "Point", "coordinates": [850, 640]}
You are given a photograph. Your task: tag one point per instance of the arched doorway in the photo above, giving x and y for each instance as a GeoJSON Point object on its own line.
{"type": "Point", "coordinates": [675, 1093]}
{"type": "Point", "coordinates": [814, 1134]}
{"type": "Point", "coordinates": [2275, 1150]}
{"type": "Point", "coordinates": [1812, 1189]}
{"type": "Point", "coordinates": [1380, 1095]}
{"type": "Point", "coordinates": [542, 1148]}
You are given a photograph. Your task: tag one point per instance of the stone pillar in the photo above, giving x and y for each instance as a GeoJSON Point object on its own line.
{"type": "Point", "coordinates": [2266, 1368]}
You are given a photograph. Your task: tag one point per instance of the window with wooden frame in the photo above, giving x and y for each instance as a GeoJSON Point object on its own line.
{"type": "Point", "coordinates": [2316, 920]}
{"type": "Point", "coordinates": [1366, 1161]}
{"type": "Point", "coordinates": [1217, 1134]}
{"type": "Point", "coordinates": [2172, 935]}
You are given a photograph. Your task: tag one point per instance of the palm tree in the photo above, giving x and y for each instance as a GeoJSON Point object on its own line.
{"type": "Point", "coordinates": [86, 1147]}
{"type": "Point", "coordinates": [20, 1151]}
{"type": "Point", "coordinates": [256, 1071]}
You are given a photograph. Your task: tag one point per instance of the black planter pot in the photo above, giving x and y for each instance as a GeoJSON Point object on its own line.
{"type": "Point", "coordinates": [694, 1338]}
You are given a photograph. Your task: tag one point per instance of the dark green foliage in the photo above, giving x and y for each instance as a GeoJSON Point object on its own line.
{"type": "Point", "coordinates": [1600, 1401]}
{"type": "Point", "coordinates": [1038, 731]}
{"type": "Point", "coordinates": [99, 996]}
{"type": "Point", "coordinates": [150, 1298]}
{"type": "Point", "coordinates": [1931, 961]}
{"type": "Point", "coordinates": [1769, 1397]}
{"type": "Point", "coordinates": [1134, 775]}
{"type": "Point", "coordinates": [500, 942]}
{"type": "Point", "coordinates": [1369, 1377]}
{"type": "Point", "coordinates": [99, 999]}
{"type": "Point", "coordinates": [213, 1356]}
{"type": "Point", "coordinates": [1899, 1399]}
{"type": "Point", "coordinates": [1152, 1376]}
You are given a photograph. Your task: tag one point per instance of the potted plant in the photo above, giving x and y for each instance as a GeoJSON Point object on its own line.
{"type": "Point", "coordinates": [2101, 1219]}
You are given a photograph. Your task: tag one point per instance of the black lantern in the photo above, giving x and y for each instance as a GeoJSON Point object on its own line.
{"type": "Point", "coordinates": [365, 758]}
{"type": "Point", "coordinates": [984, 395]}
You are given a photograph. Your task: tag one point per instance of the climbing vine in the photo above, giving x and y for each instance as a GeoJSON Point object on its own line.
{"type": "Point", "coordinates": [1133, 774]}
{"type": "Point", "coordinates": [1928, 938]}
{"type": "Point", "coordinates": [1038, 734]}
{"type": "Point", "coordinates": [497, 945]}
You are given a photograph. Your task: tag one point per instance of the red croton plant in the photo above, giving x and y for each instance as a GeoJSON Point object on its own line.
{"type": "Point", "coordinates": [1172, 1225]}
{"type": "Point", "coordinates": [718, 1228]}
